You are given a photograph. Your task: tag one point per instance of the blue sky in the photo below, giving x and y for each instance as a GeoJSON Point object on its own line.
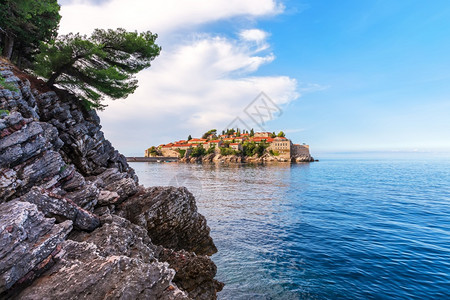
{"type": "Point", "coordinates": [350, 76]}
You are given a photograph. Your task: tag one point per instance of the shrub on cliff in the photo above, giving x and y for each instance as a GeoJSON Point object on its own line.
{"type": "Point", "coordinates": [251, 148]}
{"type": "Point", "coordinates": [198, 151]}
{"type": "Point", "coordinates": [182, 152]}
{"type": "Point", "coordinates": [7, 85]}
{"type": "Point", "coordinates": [99, 66]}
{"type": "Point", "coordinates": [227, 151]}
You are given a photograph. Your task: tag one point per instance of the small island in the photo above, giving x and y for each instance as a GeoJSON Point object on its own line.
{"type": "Point", "coordinates": [234, 145]}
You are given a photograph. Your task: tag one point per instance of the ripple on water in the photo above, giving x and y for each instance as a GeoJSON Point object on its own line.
{"type": "Point", "coordinates": [334, 229]}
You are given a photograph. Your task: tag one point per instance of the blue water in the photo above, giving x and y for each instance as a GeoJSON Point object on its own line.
{"type": "Point", "coordinates": [335, 229]}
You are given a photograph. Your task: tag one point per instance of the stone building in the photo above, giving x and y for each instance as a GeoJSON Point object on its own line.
{"type": "Point", "coordinates": [214, 143]}
{"type": "Point", "coordinates": [236, 146]}
{"type": "Point", "coordinates": [263, 134]}
{"type": "Point", "coordinates": [282, 146]}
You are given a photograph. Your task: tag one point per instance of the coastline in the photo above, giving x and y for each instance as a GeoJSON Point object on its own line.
{"type": "Point", "coordinates": [217, 158]}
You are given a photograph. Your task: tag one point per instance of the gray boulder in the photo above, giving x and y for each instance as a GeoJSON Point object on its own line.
{"type": "Point", "coordinates": [28, 240]}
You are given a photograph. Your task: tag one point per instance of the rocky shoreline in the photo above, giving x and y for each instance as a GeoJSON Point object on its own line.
{"type": "Point", "coordinates": [75, 223]}
{"type": "Point", "coordinates": [266, 158]}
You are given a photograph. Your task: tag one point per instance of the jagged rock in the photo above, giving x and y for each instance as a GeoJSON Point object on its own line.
{"type": "Point", "coordinates": [82, 272]}
{"type": "Point", "coordinates": [116, 261]}
{"type": "Point", "coordinates": [115, 181]}
{"type": "Point", "coordinates": [194, 274]}
{"type": "Point", "coordinates": [208, 157]}
{"type": "Point", "coordinates": [107, 197]}
{"type": "Point", "coordinates": [170, 216]}
{"type": "Point", "coordinates": [27, 239]}
{"type": "Point", "coordinates": [61, 208]}
{"type": "Point", "coordinates": [227, 159]}
{"type": "Point", "coordinates": [303, 158]}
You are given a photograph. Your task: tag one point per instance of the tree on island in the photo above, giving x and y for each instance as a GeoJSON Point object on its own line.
{"type": "Point", "coordinates": [252, 132]}
{"type": "Point", "coordinates": [153, 151]}
{"type": "Point", "coordinates": [26, 23]}
{"type": "Point", "coordinates": [208, 133]}
{"type": "Point", "coordinates": [230, 131]}
{"type": "Point", "coordinates": [281, 134]}
{"type": "Point", "coordinates": [99, 66]}
{"type": "Point", "coordinates": [189, 138]}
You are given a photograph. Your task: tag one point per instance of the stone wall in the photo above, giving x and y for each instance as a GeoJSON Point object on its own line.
{"type": "Point", "coordinates": [298, 150]}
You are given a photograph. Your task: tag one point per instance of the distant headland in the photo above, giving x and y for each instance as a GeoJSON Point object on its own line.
{"type": "Point", "coordinates": [233, 145]}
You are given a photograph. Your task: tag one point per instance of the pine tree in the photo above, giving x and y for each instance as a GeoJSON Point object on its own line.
{"type": "Point", "coordinates": [100, 66]}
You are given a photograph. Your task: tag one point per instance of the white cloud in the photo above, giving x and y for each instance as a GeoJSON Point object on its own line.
{"type": "Point", "coordinates": [197, 86]}
{"type": "Point", "coordinates": [159, 16]}
{"type": "Point", "coordinates": [200, 81]}
{"type": "Point", "coordinates": [253, 35]}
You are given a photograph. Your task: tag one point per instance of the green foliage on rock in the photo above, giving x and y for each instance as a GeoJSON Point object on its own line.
{"type": "Point", "coordinates": [7, 85]}
{"type": "Point", "coordinates": [274, 153]}
{"type": "Point", "coordinates": [281, 134]}
{"type": "Point", "coordinates": [26, 23]}
{"type": "Point", "coordinates": [210, 150]}
{"type": "Point", "coordinates": [99, 66]}
{"type": "Point", "coordinates": [4, 113]}
{"type": "Point", "coordinates": [198, 151]}
{"type": "Point", "coordinates": [182, 152]}
{"type": "Point", "coordinates": [153, 151]}
{"type": "Point", "coordinates": [252, 148]}
{"type": "Point", "coordinates": [227, 151]}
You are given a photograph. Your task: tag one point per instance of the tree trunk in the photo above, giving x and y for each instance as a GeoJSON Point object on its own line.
{"type": "Point", "coordinates": [51, 81]}
{"type": "Point", "coordinates": [8, 46]}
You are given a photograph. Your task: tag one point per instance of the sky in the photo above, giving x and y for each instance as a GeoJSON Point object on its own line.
{"type": "Point", "coordinates": [342, 76]}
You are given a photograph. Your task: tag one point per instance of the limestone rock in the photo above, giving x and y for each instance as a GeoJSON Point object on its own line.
{"type": "Point", "coordinates": [84, 273]}
{"type": "Point", "coordinates": [115, 181]}
{"type": "Point", "coordinates": [194, 274]}
{"type": "Point", "coordinates": [27, 239]}
{"type": "Point", "coordinates": [116, 261]}
{"type": "Point", "coordinates": [53, 205]}
{"type": "Point", "coordinates": [170, 216]}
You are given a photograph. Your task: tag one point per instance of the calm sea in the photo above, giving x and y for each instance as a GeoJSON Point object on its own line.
{"type": "Point", "coordinates": [334, 229]}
